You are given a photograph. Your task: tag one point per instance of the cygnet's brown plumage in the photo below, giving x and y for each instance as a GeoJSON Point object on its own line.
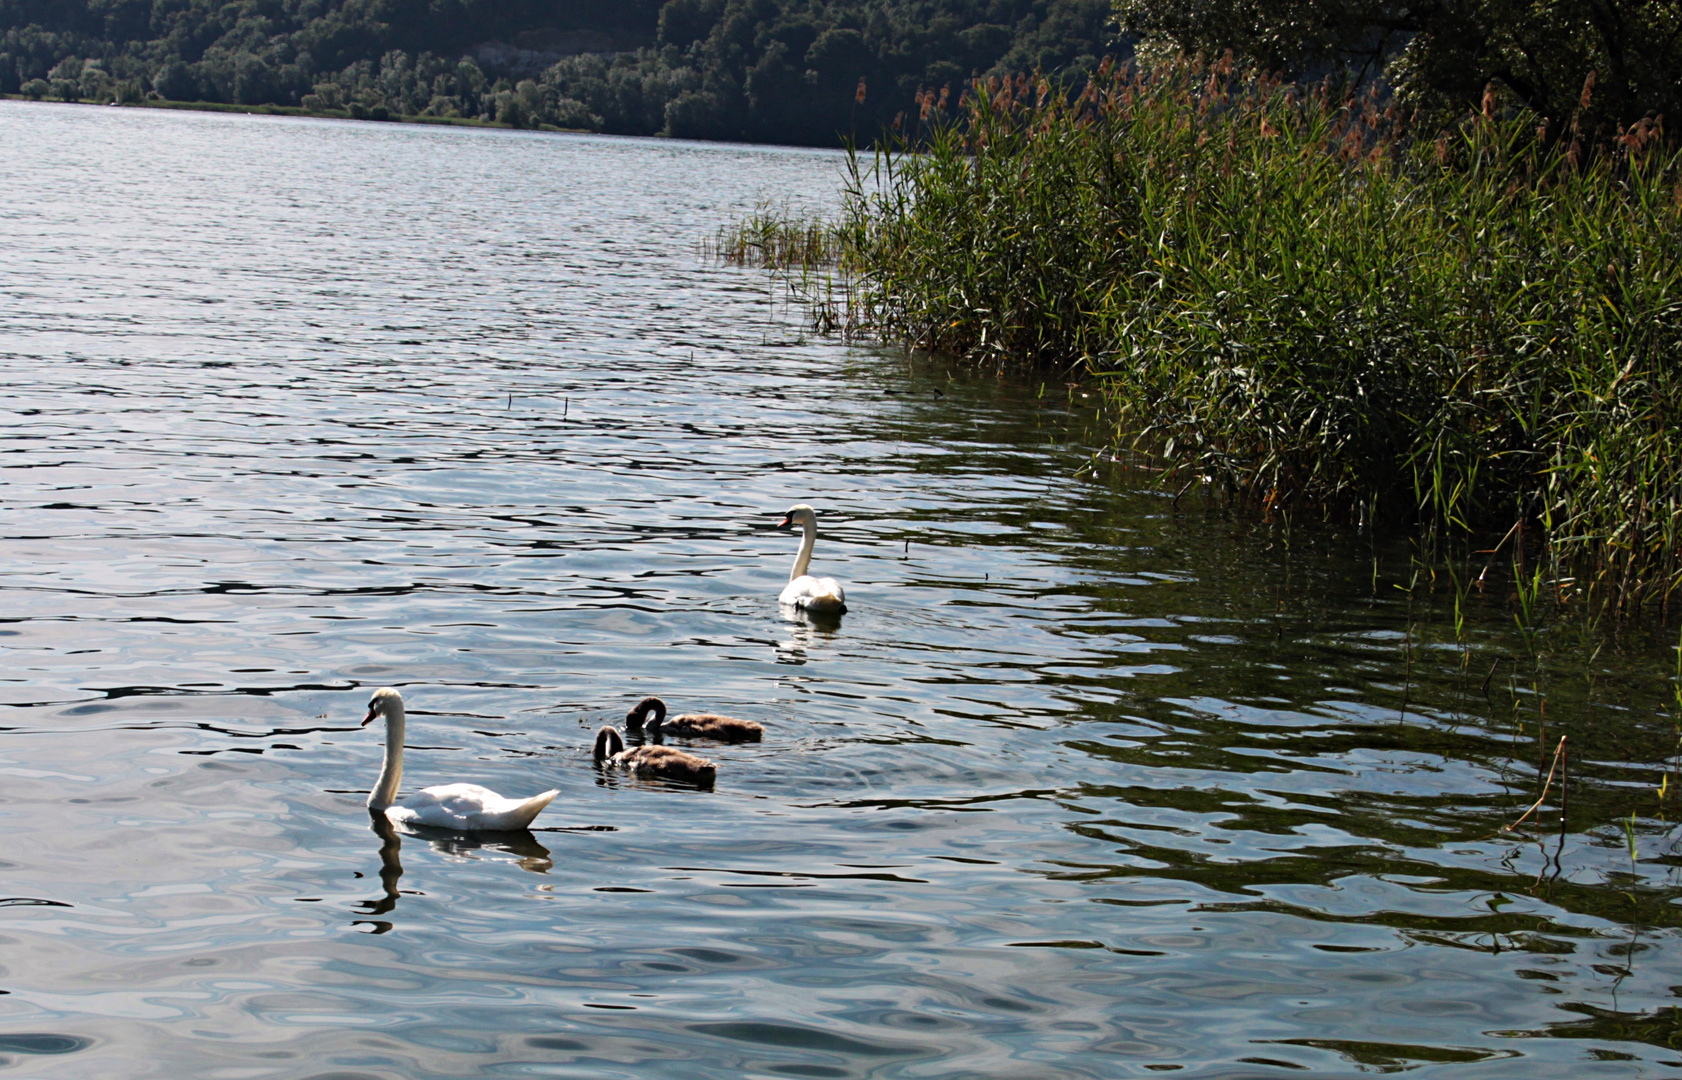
{"type": "Point", "coordinates": [647, 761]}
{"type": "Point", "coordinates": [691, 725]}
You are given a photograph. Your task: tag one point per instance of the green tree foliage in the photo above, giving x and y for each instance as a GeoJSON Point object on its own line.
{"type": "Point", "coordinates": [792, 71]}
{"type": "Point", "coordinates": [1441, 56]}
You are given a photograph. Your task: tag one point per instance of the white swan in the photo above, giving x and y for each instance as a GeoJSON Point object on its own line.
{"type": "Point", "coordinates": [819, 595]}
{"type": "Point", "coordinates": [463, 807]}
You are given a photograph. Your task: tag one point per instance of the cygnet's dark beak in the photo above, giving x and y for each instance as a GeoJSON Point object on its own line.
{"type": "Point", "coordinates": [788, 519]}
{"type": "Point", "coordinates": [372, 712]}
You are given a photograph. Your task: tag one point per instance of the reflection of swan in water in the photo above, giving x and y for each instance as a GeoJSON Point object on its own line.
{"type": "Point", "coordinates": [649, 761]}
{"type": "Point", "coordinates": [461, 807]}
{"type": "Point", "coordinates": [691, 725]}
{"type": "Point", "coordinates": [391, 869]}
{"type": "Point", "coordinates": [530, 855]}
{"type": "Point", "coordinates": [805, 637]}
{"type": "Point", "coordinates": [520, 843]}
{"type": "Point", "coordinates": [819, 596]}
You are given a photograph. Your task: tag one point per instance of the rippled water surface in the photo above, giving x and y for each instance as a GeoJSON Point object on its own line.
{"type": "Point", "coordinates": [1090, 782]}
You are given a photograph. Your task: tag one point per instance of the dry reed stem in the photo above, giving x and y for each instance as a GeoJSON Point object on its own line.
{"type": "Point", "coordinates": [1559, 755]}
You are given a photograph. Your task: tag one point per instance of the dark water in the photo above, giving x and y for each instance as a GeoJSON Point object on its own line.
{"type": "Point", "coordinates": [1086, 784]}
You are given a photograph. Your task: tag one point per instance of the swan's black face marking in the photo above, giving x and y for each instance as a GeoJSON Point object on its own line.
{"type": "Point", "coordinates": [373, 711]}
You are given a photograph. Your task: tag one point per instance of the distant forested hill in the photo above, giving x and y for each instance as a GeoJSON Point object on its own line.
{"type": "Point", "coordinates": [790, 71]}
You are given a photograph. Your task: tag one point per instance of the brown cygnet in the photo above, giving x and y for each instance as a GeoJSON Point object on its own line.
{"type": "Point", "coordinates": [691, 725]}
{"type": "Point", "coordinates": [650, 761]}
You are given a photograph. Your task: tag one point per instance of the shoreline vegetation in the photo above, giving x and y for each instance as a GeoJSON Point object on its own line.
{"type": "Point", "coordinates": [790, 72]}
{"type": "Point", "coordinates": [378, 115]}
{"type": "Point", "coordinates": [1303, 300]}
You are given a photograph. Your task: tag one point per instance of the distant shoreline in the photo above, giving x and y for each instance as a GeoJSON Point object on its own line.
{"type": "Point", "coordinates": [298, 110]}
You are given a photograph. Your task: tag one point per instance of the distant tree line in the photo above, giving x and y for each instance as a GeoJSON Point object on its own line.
{"type": "Point", "coordinates": [1603, 65]}
{"type": "Point", "coordinates": [789, 71]}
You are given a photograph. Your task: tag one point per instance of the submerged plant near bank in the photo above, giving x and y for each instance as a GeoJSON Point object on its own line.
{"type": "Point", "coordinates": [1294, 293]}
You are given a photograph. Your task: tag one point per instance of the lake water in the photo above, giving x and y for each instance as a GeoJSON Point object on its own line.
{"type": "Point", "coordinates": [1087, 783]}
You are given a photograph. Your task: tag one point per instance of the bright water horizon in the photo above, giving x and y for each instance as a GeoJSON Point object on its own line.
{"type": "Point", "coordinates": [1089, 781]}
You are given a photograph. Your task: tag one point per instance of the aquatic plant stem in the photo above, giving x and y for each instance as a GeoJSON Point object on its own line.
{"type": "Point", "coordinates": [1559, 758]}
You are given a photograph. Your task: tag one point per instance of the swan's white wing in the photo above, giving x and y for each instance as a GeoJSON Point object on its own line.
{"type": "Point", "coordinates": [468, 807]}
{"type": "Point", "coordinates": [814, 594]}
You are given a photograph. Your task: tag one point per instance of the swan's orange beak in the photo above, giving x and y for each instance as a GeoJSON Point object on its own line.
{"type": "Point", "coordinates": [788, 519]}
{"type": "Point", "coordinates": [372, 712]}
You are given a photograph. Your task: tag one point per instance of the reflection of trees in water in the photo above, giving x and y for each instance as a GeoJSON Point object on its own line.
{"type": "Point", "coordinates": [528, 853]}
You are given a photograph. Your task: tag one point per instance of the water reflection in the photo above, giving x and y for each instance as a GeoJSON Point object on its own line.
{"type": "Point", "coordinates": [391, 871]}
{"type": "Point", "coordinates": [528, 854]}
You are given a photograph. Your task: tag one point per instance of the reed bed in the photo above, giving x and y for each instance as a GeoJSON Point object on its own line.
{"type": "Point", "coordinates": [775, 238]}
{"type": "Point", "coordinates": [1300, 297]}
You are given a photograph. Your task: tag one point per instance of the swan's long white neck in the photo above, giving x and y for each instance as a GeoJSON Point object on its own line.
{"type": "Point", "coordinates": [391, 773]}
{"type": "Point", "coordinates": [804, 559]}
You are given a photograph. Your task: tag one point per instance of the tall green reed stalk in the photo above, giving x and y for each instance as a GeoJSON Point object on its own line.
{"type": "Point", "coordinates": [1295, 293]}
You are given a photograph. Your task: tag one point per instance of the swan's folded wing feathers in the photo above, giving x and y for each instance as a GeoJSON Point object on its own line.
{"type": "Point", "coordinates": [460, 798]}
{"type": "Point", "coordinates": [810, 592]}
{"type": "Point", "coordinates": [468, 806]}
